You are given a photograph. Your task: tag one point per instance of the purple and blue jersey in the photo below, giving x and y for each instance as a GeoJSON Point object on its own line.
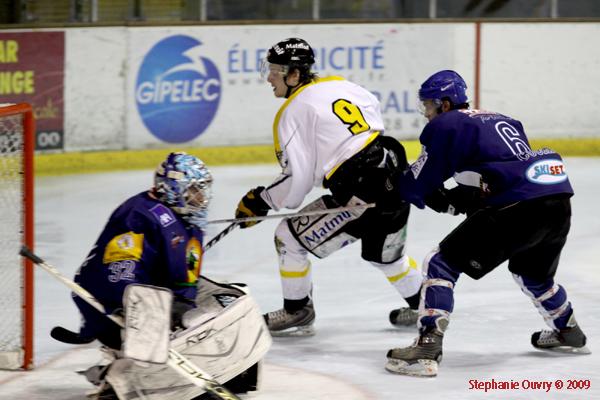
{"type": "Point", "coordinates": [143, 242]}
{"type": "Point", "coordinates": [485, 149]}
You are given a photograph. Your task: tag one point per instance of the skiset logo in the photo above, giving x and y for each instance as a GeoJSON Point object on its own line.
{"type": "Point", "coordinates": [547, 172]}
{"type": "Point", "coordinates": [177, 90]}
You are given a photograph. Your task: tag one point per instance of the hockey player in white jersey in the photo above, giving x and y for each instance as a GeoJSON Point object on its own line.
{"type": "Point", "coordinates": [329, 132]}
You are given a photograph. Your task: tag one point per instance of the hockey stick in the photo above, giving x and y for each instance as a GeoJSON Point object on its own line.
{"type": "Point", "coordinates": [67, 336]}
{"type": "Point", "coordinates": [220, 236]}
{"type": "Point", "coordinates": [176, 361]}
{"type": "Point", "coordinates": [292, 215]}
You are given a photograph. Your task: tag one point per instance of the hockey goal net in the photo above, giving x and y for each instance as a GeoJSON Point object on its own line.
{"type": "Point", "coordinates": [16, 229]}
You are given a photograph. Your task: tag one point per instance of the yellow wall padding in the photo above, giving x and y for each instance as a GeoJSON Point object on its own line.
{"type": "Point", "coordinates": [104, 161]}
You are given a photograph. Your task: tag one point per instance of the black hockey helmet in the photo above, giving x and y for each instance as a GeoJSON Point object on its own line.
{"type": "Point", "coordinates": [291, 52]}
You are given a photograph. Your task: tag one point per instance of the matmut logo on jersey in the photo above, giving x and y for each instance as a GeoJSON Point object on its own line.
{"type": "Point", "coordinates": [177, 90]}
{"type": "Point", "coordinates": [546, 172]}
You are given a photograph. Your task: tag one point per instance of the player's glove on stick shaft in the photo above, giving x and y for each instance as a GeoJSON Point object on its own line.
{"type": "Point", "coordinates": [439, 201]}
{"type": "Point", "coordinates": [252, 205]}
{"type": "Point", "coordinates": [459, 200]}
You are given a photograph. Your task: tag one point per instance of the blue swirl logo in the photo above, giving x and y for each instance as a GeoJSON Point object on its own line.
{"type": "Point", "coordinates": [177, 90]}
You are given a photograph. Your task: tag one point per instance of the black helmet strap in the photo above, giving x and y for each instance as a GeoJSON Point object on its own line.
{"type": "Point", "coordinates": [289, 87]}
{"type": "Point", "coordinates": [302, 79]}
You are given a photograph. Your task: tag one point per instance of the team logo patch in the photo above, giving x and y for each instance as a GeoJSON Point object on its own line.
{"type": "Point", "coordinates": [127, 246]}
{"type": "Point", "coordinates": [546, 172]}
{"type": "Point", "coordinates": [163, 214]}
{"type": "Point", "coordinates": [177, 90]}
{"type": "Point", "coordinates": [193, 259]}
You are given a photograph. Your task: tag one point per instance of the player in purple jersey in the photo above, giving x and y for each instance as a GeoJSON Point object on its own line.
{"type": "Point", "coordinates": [501, 183]}
{"type": "Point", "coordinates": [153, 238]}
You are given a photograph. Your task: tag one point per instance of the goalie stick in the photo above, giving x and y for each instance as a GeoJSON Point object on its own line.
{"type": "Point", "coordinates": [176, 361]}
{"type": "Point", "coordinates": [66, 336]}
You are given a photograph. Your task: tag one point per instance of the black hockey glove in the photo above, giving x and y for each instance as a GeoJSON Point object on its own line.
{"type": "Point", "coordinates": [442, 202]}
{"type": "Point", "coordinates": [467, 199]}
{"type": "Point", "coordinates": [378, 185]}
{"type": "Point", "coordinates": [252, 205]}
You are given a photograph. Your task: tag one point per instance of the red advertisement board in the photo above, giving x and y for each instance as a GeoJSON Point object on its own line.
{"type": "Point", "coordinates": [32, 71]}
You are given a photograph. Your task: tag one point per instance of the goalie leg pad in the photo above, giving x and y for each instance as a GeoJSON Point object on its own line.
{"type": "Point", "coordinates": [147, 323]}
{"type": "Point", "coordinates": [225, 345]}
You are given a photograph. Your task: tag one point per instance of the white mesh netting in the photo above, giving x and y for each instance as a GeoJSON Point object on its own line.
{"type": "Point", "coordinates": [11, 232]}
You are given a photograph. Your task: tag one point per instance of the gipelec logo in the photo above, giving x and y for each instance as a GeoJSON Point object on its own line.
{"type": "Point", "coordinates": [177, 90]}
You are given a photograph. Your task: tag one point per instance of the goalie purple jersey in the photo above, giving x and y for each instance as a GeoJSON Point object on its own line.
{"type": "Point", "coordinates": [143, 242]}
{"type": "Point", "coordinates": [491, 147]}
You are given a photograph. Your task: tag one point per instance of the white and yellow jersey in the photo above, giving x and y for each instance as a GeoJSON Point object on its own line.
{"type": "Point", "coordinates": [321, 125]}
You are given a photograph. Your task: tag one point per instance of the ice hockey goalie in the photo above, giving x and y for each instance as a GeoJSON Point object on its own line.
{"type": "Point", "coordinates": [225, 336]}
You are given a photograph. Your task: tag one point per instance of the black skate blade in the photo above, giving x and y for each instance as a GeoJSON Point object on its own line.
{"type": "Point", "coordinates": [66, 336]}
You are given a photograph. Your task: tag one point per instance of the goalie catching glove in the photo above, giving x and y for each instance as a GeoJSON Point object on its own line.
{"type": "Point", "coordinates": [252, 205]}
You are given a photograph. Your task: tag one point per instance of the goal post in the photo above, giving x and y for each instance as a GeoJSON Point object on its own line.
{"type": "Point", "coordinates": [17, 135]}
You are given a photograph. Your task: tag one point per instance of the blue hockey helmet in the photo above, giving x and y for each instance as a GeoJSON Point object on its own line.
{"type": "Point", "coordinates": [444, 84]}
{"type": "Point", "coordinates": [183, 182]}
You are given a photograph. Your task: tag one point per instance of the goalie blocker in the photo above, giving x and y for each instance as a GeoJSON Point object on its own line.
{"type": "Point", "coordinates": [225, 335]}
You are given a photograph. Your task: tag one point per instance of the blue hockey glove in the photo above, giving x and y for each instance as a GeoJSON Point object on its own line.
{"type": "Point", "coordinates": [252, 205]}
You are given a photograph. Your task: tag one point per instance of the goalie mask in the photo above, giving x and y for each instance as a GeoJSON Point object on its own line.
{"type": "Point", "coordinates": [184, 183]}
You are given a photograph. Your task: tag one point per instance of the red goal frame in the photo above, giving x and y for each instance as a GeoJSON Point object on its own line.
{"type": "Point", "coordinates": [27, 221]}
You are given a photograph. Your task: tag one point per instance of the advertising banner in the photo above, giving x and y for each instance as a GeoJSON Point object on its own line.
{"type": "Point", "coordinates": [32, 71]}
{"type": "Point", "coordinates": [201, 85]}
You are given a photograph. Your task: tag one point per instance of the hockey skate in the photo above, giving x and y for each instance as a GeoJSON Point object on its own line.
{"type": "Point", "coordinates": [299, 323]}
{"type": "Point", "coordinates": [420, 359]}
{"type": "Point", "coordinates": [404, 316]}
{"type": "Point", "coordinates": [570, 340]}
{"type": "Point", "coordinates": [103, 392]}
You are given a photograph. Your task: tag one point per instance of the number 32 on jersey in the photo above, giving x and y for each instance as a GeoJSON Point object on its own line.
{"type": "Point", "coordinates": [350, 115]}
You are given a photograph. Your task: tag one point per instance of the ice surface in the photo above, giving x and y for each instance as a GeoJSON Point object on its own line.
{"type": "Point", "coordinates": [488, 336]}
